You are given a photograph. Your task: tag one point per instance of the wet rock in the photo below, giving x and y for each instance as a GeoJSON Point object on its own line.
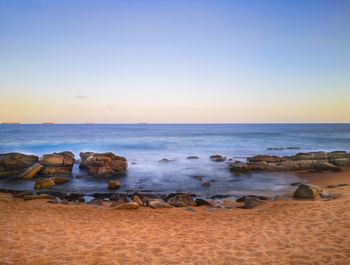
{"type": "Point", "coordinates": [238, 166]}
{"type": "Point", "coordinates": [103, 164]}
{"type": "Point", "coordinates": [98, 202]}
{"type": "Point", "coordinates": [244, 198]}
{"type": "Point", "coordinates": [127, 206]}
{"type": "Point", "coordinates": [14, 164]}
{"type": "Point", "coordinates": [158, 204]}
{"type": "Point", "coordinates": [200, 178]}
{"type": "Point", "coordinates": [31, 171]}
{"type": "Point", "coordinates": [202, 202]}
{"type": "Point", "coordinates": [275, 148]}
{"type": "Point", "coordinates": [137, 200]}
{"type": "Point", "coordinates": [181, 200]}
{"type": "Point", "coordinates": [326, 166]}
{"type": "Point", "coordinates": [305, 191]}
{"type": "Point", "coordinates": [57, 163]}
{"type": "Point", "coordinates": [217, 158]}
{"type": "Point", "coordinates": [119, 197]}
{"type": "Point", "coordinates": [74, 196]}
{"type": "Point", "coordinates": [266, 158]}
{"type": "Point", "coordinates": [114, 184]}
{"type": "Point", "coordinates": [293, 148]}
{"type": "Point", "coordinates": [251, 202]}
{"type": "Point", "coordinates": [44, 184]}
{"type": "Point", "coordinates": [206, 184]}
{"type": "Point", "coordinates": [165, 160]}
{"type": "Point", "coordinates": [192, 157]}
{"type": "Point", "coordinates": [60, 180]}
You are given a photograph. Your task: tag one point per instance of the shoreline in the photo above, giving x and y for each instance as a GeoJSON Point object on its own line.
{"type": "Point", "coordinates": [282, 231]}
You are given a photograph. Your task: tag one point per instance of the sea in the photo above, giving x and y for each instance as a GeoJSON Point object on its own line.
{"type": "Point", "coordinates": [144, 145]}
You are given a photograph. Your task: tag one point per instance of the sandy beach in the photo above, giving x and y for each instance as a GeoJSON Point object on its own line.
{"type": "Point", "coordinates": [280, 232]}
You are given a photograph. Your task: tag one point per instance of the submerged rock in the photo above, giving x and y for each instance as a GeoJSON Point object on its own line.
{"type": "Point", "coordinates": [192, 157]}
{"type": "Point", "coordinates": [103, 164]}
{"type": "Point", "coordinates": [217, 158]}
{"type": "Point", "coordinates": [114, 184]}
{"type": "Point", "coordinates": [44, 184]}
{"type": "Point", "coordinates": [305, 191]}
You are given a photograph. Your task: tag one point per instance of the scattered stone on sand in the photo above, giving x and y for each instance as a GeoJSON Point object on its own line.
{"type": "Point", "coordinates": [158, 204]}
{"type": "Point", "coordinates": [217, 158]}
{"type": "Point", "coordinates": [31, 171]}
{"type": "Point", "coordinates": [327, 196]}
{"type": "Point", "coordinates": [127, 206]}
{"type": "Point", "coordinates": [305, 191]}
{"type": "Point", "coordinates": [44, 184]}
{"type": "Point", "coordinates": [202, 202]}
{"type": "Point", "coordinates": [251, 202]}
{"type": "Point", "coordinates": [181, 200]}
{"type": "Point", "coordinates": [192, 157]}
{"type": "Point", "coordinates": [98, 202]}
{"type": "Point", "coordinates": [57, 163]}
{"type": "Point", "coordinates": [39, 196]}
{"type": "Point", "coordinates": [103, 164]}
{"type": "Point", "coordinates": [114, 184]}
{"type": "Point", "coordinates": [137, 200]}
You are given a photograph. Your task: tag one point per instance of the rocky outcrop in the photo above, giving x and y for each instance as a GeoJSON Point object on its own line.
{"type": "Point", "coordinates": [31, 171]}
{"type": "Point", "coordinates": [103, 164]}
{"type": "Point", "coordinates": [57, 163]}
{"type": "Point", "coordinates": [319, 161]}
{"type": "Point", "coordinates": [14, 164]}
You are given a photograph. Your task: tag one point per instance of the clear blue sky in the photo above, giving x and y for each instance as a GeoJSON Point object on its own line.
{"type": "Point", "coordinates": [175, 61]}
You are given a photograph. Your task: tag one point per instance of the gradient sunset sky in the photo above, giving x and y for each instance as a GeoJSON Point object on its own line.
{"type": "Point", "coordinates": [174, 61]}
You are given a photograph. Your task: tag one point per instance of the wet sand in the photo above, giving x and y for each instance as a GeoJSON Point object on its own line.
{"type": "Point", "coordinates": [280, 232]}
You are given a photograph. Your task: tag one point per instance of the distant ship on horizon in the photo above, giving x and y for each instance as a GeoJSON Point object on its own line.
{"type": "Point", "coordinates": [6, 122]}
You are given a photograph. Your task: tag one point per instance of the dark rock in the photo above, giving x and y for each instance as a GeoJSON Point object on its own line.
{"type": "Point", "coordinates": [114, 184]}
{"type": "Point", "coordinates": [198, 177]}
{"type": "Point", "coordinates": [202, 202]}
{"type": "Point", "coordinates": [275, 148]}
{"type": "Point", "coordinates": [192, 157]}
{"type": "Point", "coordinates": [266, 158]}
{"type": "Point", "coordinates": [103, 164]}
{"type": "Point", "coordinates": [305, 191]}
{"type": "Point", "coordinates": [206, 184]}
{"type": "Point", "coordinates": [35, 197]}
{"type": "Point", "coordinates": [217, 158]}
{"type": "Point", "coordinates": [73, 196]}
{"type": "Point", "coordinates": [293, 148]}
{"type": "Point", "coordinates": [251, 202]}
{"type": "Point", "coordinates": [181, 200]}
{"type": "Point", "coordinates": [326, 166]}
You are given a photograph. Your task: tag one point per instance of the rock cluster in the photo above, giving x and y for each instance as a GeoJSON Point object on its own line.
{"type": "Point", "coordinates": [103, 164]}
{"type": "Point", "coordinates": [57, 163]}
{"type": "Point", "coordinates": [13, 164]}
{"type": "Point", "coordinates": [319, 161]}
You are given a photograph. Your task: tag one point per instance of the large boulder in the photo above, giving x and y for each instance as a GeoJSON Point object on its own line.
{"type": "Point", "coordinates": [127, 206]}
{"type": "Point", "coordinates": [57, 163]}
{"type": "Point", "coordinates": [103, 164]}
{"type": "Point", "coordinates": [305, 191]}
{"type": "Point", "coordinates": [181, 200]}
{"type": "Point", "coordinates": [44, 184]}
{"type": "Point", "coordinates": [14, 164]}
